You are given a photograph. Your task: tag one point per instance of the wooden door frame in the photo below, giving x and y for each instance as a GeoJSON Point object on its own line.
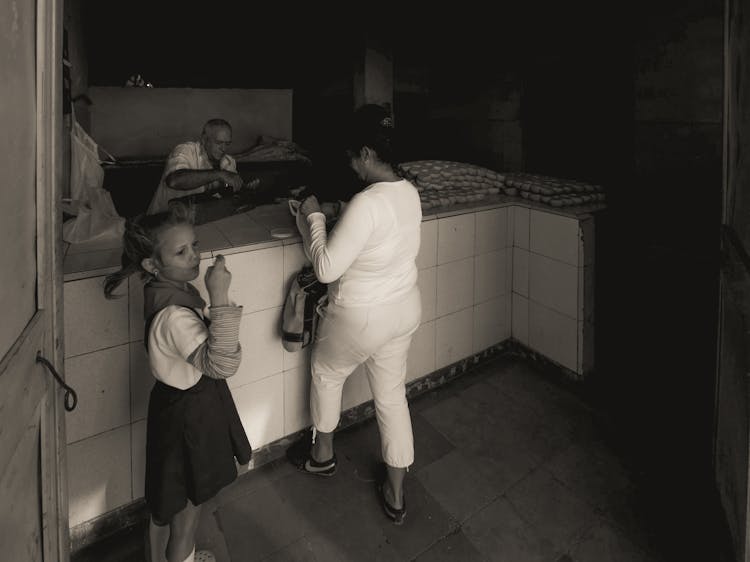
{"type": "Point", "coordinates": [49, 181]}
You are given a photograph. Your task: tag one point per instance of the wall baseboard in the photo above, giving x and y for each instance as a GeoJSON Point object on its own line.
{"type": "Point", "coordinates": [135, 513]}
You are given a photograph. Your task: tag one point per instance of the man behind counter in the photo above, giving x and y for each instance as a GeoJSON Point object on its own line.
{"type": "Point", "coordinates": [195, 166]}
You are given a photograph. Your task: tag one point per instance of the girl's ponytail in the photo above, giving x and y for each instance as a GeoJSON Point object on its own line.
{"type": "Point", "coordinates": [137, 245]}
{"type": "Point", "coordinates": [140, 242]}
{"type": "Point", "coordinates": [113, 280]}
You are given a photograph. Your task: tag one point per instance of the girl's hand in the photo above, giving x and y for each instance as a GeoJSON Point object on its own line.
{"type": "Point", "coordinates": [217, 279]}
{"type": "Point", "coordinates": [310, 205]}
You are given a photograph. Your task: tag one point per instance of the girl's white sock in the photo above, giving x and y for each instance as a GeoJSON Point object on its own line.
{"type": "Point", "coordinates": [158, 537]}
{"type": "Point", "coordinates": [191, 556]}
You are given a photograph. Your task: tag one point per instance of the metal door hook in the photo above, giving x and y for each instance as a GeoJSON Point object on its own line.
{"type": "Point", "coordinates": [71, 398]}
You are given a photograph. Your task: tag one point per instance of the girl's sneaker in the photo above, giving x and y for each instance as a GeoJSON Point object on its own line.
{"type": "Point", "coordinates": [204, 556]}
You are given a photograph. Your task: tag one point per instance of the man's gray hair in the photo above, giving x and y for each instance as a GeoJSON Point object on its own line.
{"type": "Point", "coordinates": [213, 124]}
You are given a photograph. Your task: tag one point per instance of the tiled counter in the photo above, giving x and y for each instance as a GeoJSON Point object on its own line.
{"type": "Point", "coordinates": [553, 286]}
{"type": "Point", "coordinates": [505, 269]}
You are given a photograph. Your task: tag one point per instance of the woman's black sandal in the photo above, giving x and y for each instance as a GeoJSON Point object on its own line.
{"type": "Point", "coordinates": [299, 455]}
{"type": "Point", "coordinates": [394, 514]}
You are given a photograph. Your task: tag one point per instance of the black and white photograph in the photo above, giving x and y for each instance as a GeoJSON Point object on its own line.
{"type": "Point", "coordinates": [375, 282]}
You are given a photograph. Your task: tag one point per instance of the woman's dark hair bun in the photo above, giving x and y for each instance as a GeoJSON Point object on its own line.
{"type": "Point", "coordinates": [372, 126]}
{"type": "Point", "coordinates": [370, 116]}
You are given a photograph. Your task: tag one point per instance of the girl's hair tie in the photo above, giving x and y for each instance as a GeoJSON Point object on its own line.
{"type": "Point", "coordinates": [387, 122]}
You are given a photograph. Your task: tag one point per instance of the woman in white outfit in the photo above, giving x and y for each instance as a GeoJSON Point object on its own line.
{"type": "Point", "coordinates": [374, 306]}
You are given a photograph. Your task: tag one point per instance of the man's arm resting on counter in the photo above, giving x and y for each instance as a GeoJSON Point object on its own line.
{"type": "Point", "coordinates": [185, 179]}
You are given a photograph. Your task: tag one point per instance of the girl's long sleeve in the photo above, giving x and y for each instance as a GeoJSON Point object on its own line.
{"type": "Point", "coordinates": [220, 354]}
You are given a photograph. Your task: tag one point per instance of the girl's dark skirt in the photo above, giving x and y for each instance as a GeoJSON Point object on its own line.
{"type": "Point", "coordinates": [193, 437]}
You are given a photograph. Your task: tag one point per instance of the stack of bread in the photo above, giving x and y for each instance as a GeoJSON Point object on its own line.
{"type": "Point", "coordinates": [443, 182]}
{"type": "Point", "coordinates": [555, 192]}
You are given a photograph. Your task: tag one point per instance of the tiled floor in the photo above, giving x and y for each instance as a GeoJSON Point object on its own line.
{"type": "Point", "coordinates": [509, 466]}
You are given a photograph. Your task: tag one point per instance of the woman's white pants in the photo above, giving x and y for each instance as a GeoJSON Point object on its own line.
{"type": "Point", "coordinates": [379, 337]}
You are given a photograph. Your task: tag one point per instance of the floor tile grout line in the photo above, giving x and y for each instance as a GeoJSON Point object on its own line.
{"type": "Point", "coordinates": [520, 515]}
{"type": "Point", "coordinates": [454, 531]}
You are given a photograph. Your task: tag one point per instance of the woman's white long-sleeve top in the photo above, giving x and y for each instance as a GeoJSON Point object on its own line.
{"type": "Point", "coordinates": [369, 257]}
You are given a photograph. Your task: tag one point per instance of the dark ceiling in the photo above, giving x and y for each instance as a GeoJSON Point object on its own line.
{"type": "Point", "coordinates": [241, 44]}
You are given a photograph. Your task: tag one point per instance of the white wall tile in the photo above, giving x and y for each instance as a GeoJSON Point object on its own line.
{"type": "Point", "coordinates": [296, 400]}
{"type": "Point", "coordinates": [455, 239]}
{"type": "Point", "coordinates": [101, 380]}
{"type": "Point", "coordinates": [138, 456]}
{"type": "Point", "coordinates": [554, 236]}
{"type": "Point", "coordinates": [520, 319]}
{"type": "Point", "coordinates": [491, 230]}
{"type": "Point", "coordinates": [508, 314]}
{"type": "Point", "coordinates": [427, 256]}
{"type": "Point", "coordinates": [508, 269]}
{"type": "Point", "coordinates": [490, 275]}
{"type": "Point", "coordinates": [356, 389]}
{"type": "Point", "coordinates": [553, 284]}
{"type": "Point", "coordinates": [296, 359]}
{"type": "Point", "coordinates": [455, 286]}
{"type": "Point", "coordinates": [427, 282]}
{"type": "Point", "coordinates": [91, 321]}
{"type": "Point", "coordinates": [554, 335]}
{"type": "Point", "coordinates": [141, 381]}
{"type": "Point", "coordinates": [257, 278]}
{"type": "Point", "coordinates": [453, 337]}
{"type": "Point", "coordinates": [586, 241]}
{"type": "Point", "coordinates": [135, 308]}
{"type": "Point", "coordinates": [261, 408]}
{"type": "Point", "coordinates": [262, 352]}
{"type": "Point", "coordinates": [98, 475]}
{"type": "Point", "coordinates": [521, 227]}
{"type": "Point", "coordinates": [510, 225]}
{"type": "Point", "coordinates": [521, 271]}
{"type": "Point", "coordinates": [489, 324]}
{"type": "Point", "coordinates": [421, 359]}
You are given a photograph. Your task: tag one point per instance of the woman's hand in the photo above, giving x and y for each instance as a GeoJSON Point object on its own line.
{"type": "Point", "coordinates": [330, 210]}
{"type": "Point", "coordinates": [310, 205]}
{"type": "Point", "coordinates": [217, 279]}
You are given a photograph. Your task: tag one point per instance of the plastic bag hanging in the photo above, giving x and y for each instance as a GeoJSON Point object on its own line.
{"type": "Point", "coordinates": [96, 215]}
{"type": "Point", "coordinates": [85, 167]}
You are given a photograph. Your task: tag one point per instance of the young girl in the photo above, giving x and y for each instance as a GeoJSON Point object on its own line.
{"type": "Point", "coordinates": [194, 433]}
